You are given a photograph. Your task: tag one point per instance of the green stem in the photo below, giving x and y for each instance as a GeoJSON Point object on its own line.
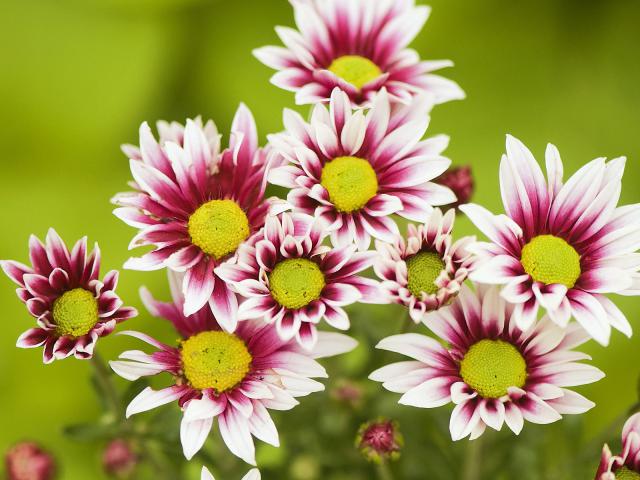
{"type": "Point", "coordinates": [472, 461]}
{"type": "Point", "coordinates": [384, 471]}
{"type": "Point", "coordinates": [105, 384]}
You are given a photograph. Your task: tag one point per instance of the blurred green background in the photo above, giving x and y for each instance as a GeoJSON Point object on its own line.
{"type": "Point", "coordinates": [77, 78]}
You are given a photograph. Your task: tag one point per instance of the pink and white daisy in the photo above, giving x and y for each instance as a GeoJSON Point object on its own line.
{"type": "Point", "coordinates": [290, 278]}
{"type": "Point", "coordinates": [425, 272]}
{"type": "Point", "coordinates": [253, 474]}
{"type": "Point", "coordinates": [560, 246]}
{"type": "Point", "coordinates": [354, 169]}
{"type": "Point", "coordinates": [195, 205]}
{"type": "Point", "coordinates": [63, 292]}
{"type": "Point", "coordinates": [492, 371]}
{"type": "Point", "coordinates": [625, 466]}
{"type": "Point", "coordinates": [359, 46]}
{"type": "Point", "coordinates": [231, 377]}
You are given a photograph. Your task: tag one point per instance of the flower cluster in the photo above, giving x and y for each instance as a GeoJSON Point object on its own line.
{"type": "Point", "coordinates": [254, 278]}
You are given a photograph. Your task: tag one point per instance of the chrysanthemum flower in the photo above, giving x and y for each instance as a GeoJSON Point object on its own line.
{"type": "Point", "coordinates": [359, 46]}
{"type": "Point", "coordinates": [62, 291]}
{"type": "Point", "coordinates": [492, 371]}
{"type": "Point", "coordinates": [195, 205]}
{"type": "Point", "coordinates": [425, 272]}
{"type": "Point", "coordinates": [625, 466]}
{"type": "Point", "coordinates": [253, 474]}
{"type": "Point", "coordinates": [354, 170]}
{"type": "Point", "coordinates": [561, 246]}
{"type": "Point", "coordinates": [231, 377]}
{"type": "Point", "coordinates": [290, 278]}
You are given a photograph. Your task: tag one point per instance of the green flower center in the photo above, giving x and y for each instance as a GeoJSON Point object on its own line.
{"type": "Point", "coordinates": [75, 312]}
{"type": "Point", "coordinates": [296, 282]}
{"type": "Point", "coordinates": [218, 227]}
{"type": "Point", "coordinates": [217, 360]}
{"type": "Point", "coordinates": [549, 259]}
{"type": "Point", "coordinates": [356, 70]}
{"type": "Point", "coordinates": [350, 181]}
{"type": "Point", "coordinates": [490, 367]}
{"type": "Point", "coordinates": [423, 269]}
{"type": "Point", "coordinates": [625, 474]}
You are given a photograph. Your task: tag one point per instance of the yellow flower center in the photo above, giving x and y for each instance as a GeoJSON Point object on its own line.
{"type": "Point", "coordinates": [549, 259]}
{"type": "Point", "coordinates": [350, 181]}
{"type": "Point", "coordinates": [213, 359]}
{"type": "Point", "coordinates": [490, 367]}
{"type": "Point", "coordinates": [75, 312]}
{"type": "Point", "coordinates": [296, 282]}
{"type": "Point", "coordinates": [218, 227]}
{"type": "Point", "coordinates": [423, 269]}
{"type": "Point", "coordinates": [356, 70]}
{"type": "Point", "coordinates": [625, 474]}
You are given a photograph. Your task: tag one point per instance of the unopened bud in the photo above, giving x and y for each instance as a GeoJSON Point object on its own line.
{"type": "Point", "coordinates": [460, 180]}
{"type": "Point", "coordinates": [380, 440]}
{"type": "Point", "coordinates": [119, 460]}
{"type": "Point", "coordinates": [27, 461]}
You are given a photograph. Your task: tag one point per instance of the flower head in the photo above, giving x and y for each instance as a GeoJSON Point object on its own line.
{"type": "Point", "coordinates": [63, 292]}
{"type": "Point", "coordinates": [359, 46]}
{"type": "Point", "coordinates": [625, 466]}
{"type": "Point", "coordinates": [380, 440]}
{"type": "Point", "coordinates": [460, 181]}
{"type": "Point", "coordinates": [354, 170]}
{"type": "Point", "coordinates": [253, 474]}
{"type": "Point", "coordinates": [425, 272]}
{"type": "Point", "coordinates": [195, 205]}
{"type": "Point", "coordinates": [290, 279]}
{"type": "Point", "coordinates": [119, 460]}
{"type": "Point", "coordinates": [492, 371]}
{"type": "Point", "coordinates": [230, 377]}
{"type": "Point", "coordinates": [560, 246]}
{"type": "Point", "coordinates": [27, 461]}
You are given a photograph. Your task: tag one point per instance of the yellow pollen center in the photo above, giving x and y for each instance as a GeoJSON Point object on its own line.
{"type": "Point", "coordinates": [356, 70]}
{"type": "Point", "coordinates": [75, 312]}
{"type": "Point", "coordinates": [213, 359]}
{"type": "Point", "coordinates": [296, 282]}
{"type": "Point", "coordinates": [218, 227]}
{"type": "Point", "coordinates": [625, 474]}
{"type": "Point", "coordinates": [423, 269]}
{"type": "Point", "coordinates": [549, 259]}
{"type": "Point", "coordinates": [350, 181]}
{"type": "Point", "coordinates": [490, 367]}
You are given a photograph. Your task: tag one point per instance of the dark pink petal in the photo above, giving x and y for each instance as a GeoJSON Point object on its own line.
{"type": "Point", "coordinates": [224, 305]}
{"type": "Point", "coordinates": [32, 338]}
{"type": "Point", "coordinates": [59, 280]}
{"type": "Point", "coordinates": [15, 271]}
{"type": "Point", "coordinates": [108, 303]}
{"type": "Point", "coordinates": [38, 256]}
{"type": "Point", "coordinates": [57, 251]}
{"type": "Point", "coordinates": [197, 287]}
{"type": "Point", "coordinates": [39, 286]}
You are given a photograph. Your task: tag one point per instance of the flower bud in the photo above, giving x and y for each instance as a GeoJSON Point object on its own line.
{"type": "Point", "coordinates": [27, 461]}
{"type": "Point", "coordinates": [119, 460]}
{"type": "Point", "coordinates": [380, 440]}
{"type": "Point", "coordinates": [460, 180]}
{"type": "Point", "coordinates": [348, 393]}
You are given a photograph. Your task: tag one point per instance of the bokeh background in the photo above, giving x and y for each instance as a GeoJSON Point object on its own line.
{"type": "Point", "coordinates": [77, 78]}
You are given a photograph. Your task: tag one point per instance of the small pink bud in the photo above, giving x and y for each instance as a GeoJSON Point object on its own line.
{"type": "Point", "coordinates": [460, 180]}
{"type": "Point", "coordinates": [348, 393]}
{"type": "Point", "coordinates": [27, 461]}
{"type": "Point", "coordinates": [380, 440]}
{"type": "Point", "coordinates": [119, 460]}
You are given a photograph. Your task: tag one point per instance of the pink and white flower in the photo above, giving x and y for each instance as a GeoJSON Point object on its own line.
{"type": "Point", "coordinates": [359, 46]}
{"type": "Point", "coordinates": [62, 290]}
{"type": "Point", "coordinates": [290, 279]}
{"type": "Point", "coordinates": [427, 271]}
{"type": "Point", "coordinates": [253, 474]}
{"type": "Point", "coordinates": [196, 205]}
{"type": "Point", "coordinates": [627, 464]}
{"type": "Point", "coordinates": [560, 246]}
{"type": "Point", "coordinates": [354, 170]}
{"type": "Point", "coordinates": [492, 371]}
{"type": "Point", "coordinates": [230, 377]}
